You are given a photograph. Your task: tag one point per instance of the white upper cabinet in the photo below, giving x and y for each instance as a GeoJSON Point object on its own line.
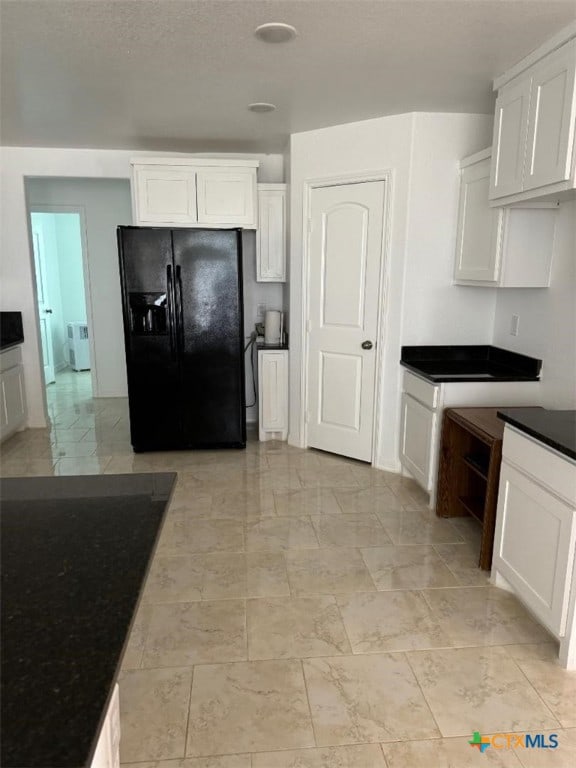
{"type": "Point", "coordinates": [551, 119]}
{"type": "Point", "coordinates": [165, 195]}
{"type": "Point", "coordinates": [227, 196]}
{"type": "Point", "coordinates": [500, 247]}
{"type": "Point", "coordinates": [271, 237]}
{"type": "Point", "coordinates": [194, 192]}
{"type": "Point", "coordinates": [534, 124]}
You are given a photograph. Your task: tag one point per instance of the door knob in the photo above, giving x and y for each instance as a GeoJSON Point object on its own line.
{"type": "Point", "coordinates": [48, 311]}
{"type": "Point", "coordinates": [367, 345]}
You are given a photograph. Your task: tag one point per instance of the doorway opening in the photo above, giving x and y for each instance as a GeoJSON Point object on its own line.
{"type": "Point", "coordinates": [59, 251]}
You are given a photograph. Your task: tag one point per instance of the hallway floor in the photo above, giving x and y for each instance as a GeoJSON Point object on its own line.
{"type": "Point", "coordinates": [307, 611]}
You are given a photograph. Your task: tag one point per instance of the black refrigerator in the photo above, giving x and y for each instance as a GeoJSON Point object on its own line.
{"type": "Point", "coordinates": [183, 329]}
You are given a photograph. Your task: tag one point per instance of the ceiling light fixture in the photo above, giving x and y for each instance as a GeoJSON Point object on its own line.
{"type": "Point", "coordinates": [261, 106]}
{"type": "Point", "coordinates": [275, 32]}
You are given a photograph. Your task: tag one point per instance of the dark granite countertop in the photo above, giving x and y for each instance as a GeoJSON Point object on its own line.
{"type": "Point", "coordinates": [469, 363]}
{"type": "Point", "coordinates": [261, 345]}
{"type": "Point", "coordinates": [556, 429]}
{"type": "Point", "coordinates": [11, 333]}
{"type": "Point", "coordinates": [75, 552]}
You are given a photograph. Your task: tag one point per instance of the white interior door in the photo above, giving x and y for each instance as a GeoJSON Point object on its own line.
{"type": "Point", "coordinates": [344, 278]}
{"type": "Point", "coordinates": [44, 308]}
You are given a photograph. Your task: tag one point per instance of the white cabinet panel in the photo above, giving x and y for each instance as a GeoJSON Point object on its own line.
{"type": "Point", "coordinates": [12, 393]}
{"type": "Point", "coordinates": [227, 196]}
{"type": "Point", "coordinates": [165, 195]}
{"type": "Point", "coordinates": [534, 544]}
{"type": "Point", "coordinates": [501, 247]}
{"type": "Point", "coordinates": [416, 435]}
{"type": "Point", "coordinates": [510, 132]}
{"type": "Point", "coordinates": [271, 237]}
{"type": "Point", "coordinates": [273, 394]}
{"type": "Point", "coordinates": [479, 226]}
{"type": "Point", "coordinates": [107, 753]}
{"type": "Point", "coordinates": [551, 119]}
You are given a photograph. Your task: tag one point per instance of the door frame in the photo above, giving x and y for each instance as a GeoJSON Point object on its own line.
{"type": "Point", "coordinates": [387, 177]}
{"type": "Point", "coordinates": [81, 211]}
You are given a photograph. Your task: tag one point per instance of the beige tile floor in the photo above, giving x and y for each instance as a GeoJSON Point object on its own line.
{"type": "Point", "coordinates": [306, 611]}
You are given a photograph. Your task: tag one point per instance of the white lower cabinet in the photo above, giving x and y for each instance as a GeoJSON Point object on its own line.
{"type": "Point", "coordinates": [12, 394]}
{"type": "Point", "coordinates": [272, 394]}
{"type": "Point", "coordinates": [417, 433]}
{"type": "Point", "coordinates": [535, 536]}
{"type": "Point", "coordinates": [107, 753]}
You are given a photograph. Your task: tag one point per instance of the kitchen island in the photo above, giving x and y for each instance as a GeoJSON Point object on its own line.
{"type": "Point", "coordinates": [75, 553]}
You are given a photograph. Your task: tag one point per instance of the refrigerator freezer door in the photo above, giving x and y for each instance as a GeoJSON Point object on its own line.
{"type": "Point", "coordinates": [147, 274]}
{"type": "Point", "coordinates": [208, 285]}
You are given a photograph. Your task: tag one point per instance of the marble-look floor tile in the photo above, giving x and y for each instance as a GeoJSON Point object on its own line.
{"type": "Point", "coordinates": [446, 753]}
{"type": "Point", "coordinates": [243, 505]}
{"type": "Point", "coordinates": [134, 650]}
{"type": "Point", "coordinates": [175, 579]}
{"type": "Point", "coordinates": [153, 713]}
{"type": "Point", "coordinates": [470, 529]}
{"type": "Point", "coordinates": [327, 477]}
{"type": "Point", "coordinates": [190, 536]}
{"type": "Point", "coordinates": [402, 567]}
{"type": "Point", "coordinates": [327, 571]}
{"type": "Point", "coordinates": [266, 574]}
{"type": "Point", "coordinates": [278, 533]}
{"type": "Point", "coordinates": [357, 699]}
{"type": "Point", "coordinates": [368, 476]}
{"type": "Point", "coordinates": [182, 634]}
{"type": "Point", "coordinates": [408, 491]}
{"type": "Point", "coordinates": [390, 621]}
{"type": "Point", "coordinates": [353, 756]}
{"type": "Point", "coordinates": [349, 531]}
{"type": "Point", "coordinates": [418, 527]}
{"type": "Point", "coordinates": [483, 616]}
{"type": "Point", "coordinates": [216, 761]}
{"type": "Point", "coordinates": [478, 689]}
{"type": "Point", "coordinates": [556, 686]}
{"type": "Point", "coordinates": [248, 707]}
{"type": "Point", "coordinates": [364, 501]}
{"type": "Point", "coordinates": [306, 501]}
{"type": "Point", "coordinates": [564, 756]}
{"type": "Point", "coordinates": [462, 560]}
{"type": "Point", "coordinates": [286, 628]}
{"type": "Point", "coordinates": [224, 575]}
{"type": "Point", "coordinates": [536, 652]}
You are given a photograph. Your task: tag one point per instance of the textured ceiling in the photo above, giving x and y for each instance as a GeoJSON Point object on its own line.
{"type": "Point", "coordinates": [178, 75]}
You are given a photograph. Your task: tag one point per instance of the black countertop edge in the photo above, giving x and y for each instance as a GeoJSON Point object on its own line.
{"type": "Point", "coordinates": [469, 363]}
{"type": "Point", "coordinates": [270, 347]}
{"type": "Point", "coordinates": [556, 429]}
{"type": "Point", "coordinates": [438, 378]}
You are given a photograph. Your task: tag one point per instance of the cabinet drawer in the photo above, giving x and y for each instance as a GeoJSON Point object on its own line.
{"type": "Point", "coordinates": [10, 358]}
{"type": "Point", "coordinates": [423, 391]}
{"type": "Point", "coordinates": [547, 468]}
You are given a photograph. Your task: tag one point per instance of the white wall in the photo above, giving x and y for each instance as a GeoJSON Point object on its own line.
{"type": "Point", "coordinates": [69, 240]}
{"type": "Point", "coordinates": [547, 328]}
{"type": "Point", "coordinates": [422, 152]}
{"type": "Point", "coordinates": [16, 289]}
{"type": "Point", "coordinates": [105, 204]}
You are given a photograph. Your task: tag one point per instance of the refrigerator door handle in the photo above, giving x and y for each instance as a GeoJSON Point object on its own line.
{"type": "Point", "coordinates": [170, 302]}
{"type": "Point", "coordinates": [179, 308]}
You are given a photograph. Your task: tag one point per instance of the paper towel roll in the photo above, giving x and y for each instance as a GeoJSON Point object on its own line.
{"type": "Point", "coordinates": [272, 326]}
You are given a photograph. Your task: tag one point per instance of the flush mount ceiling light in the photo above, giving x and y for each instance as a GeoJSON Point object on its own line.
{"type": "Point", "coordinates": [275, 32]}
{"type": "Point", "coordinates": [261, 106]}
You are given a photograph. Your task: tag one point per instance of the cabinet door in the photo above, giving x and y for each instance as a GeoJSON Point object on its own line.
{"type": "Point", "coordinates": [271, 238]}
{"type": "Point", "coordinates": [534, 546]}
{"type": "Point", "coordinates": [479, 227]}
{"type": "Point", "coordinates": [510, 134]}
{"type": "Point", "coordinates": [416, 436]}
{"type": "Point", "coordinates": [12, 400]}
{"type": "Point", "coordinates": [273, 391]}
{"type": "Point", "coordinates": [551, 119]}
{"type": "Point", "coordinates": [165, 195]}
{"type": "Point", "coordinates": [227, 197]}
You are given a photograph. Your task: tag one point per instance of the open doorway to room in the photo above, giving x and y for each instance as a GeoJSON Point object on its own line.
{"type": "Point", "coordinates": [63, 295]}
